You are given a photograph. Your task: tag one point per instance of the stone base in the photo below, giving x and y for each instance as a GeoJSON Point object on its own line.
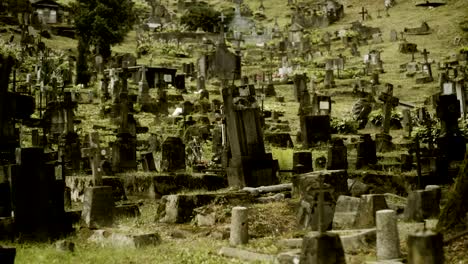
{"type": "Point", "coordinates": [98, 207]}
{"type": "Point", "coordinates": [322, 248]}
{"type": "Point", "coordinates": [383, 143]}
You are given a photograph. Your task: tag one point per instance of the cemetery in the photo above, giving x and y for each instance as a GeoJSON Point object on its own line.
{"type": "Point", "coordinates": [243, 131]}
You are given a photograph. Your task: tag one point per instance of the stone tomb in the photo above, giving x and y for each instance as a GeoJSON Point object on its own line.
{"type": "Point", "coordinates": [249, 164]}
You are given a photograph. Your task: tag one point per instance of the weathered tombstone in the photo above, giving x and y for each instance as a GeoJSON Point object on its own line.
{"type": "Point", "coordinates": [384, 140]}
{"type": "Point", "coordinates": [425, 247]}
{"type": "Point", "coordinates": [322, 247]}
{"type": "Point", "coordinates": [368, 206]}
{"type": "Point", "coordinates": [451, 143]}
{"type": "Point", "coordinates": [249, 165]}
{"type": "Point", "coordinates": [173, 155]}
{"type": "Point", "coordinates": [329, 79]}
{"type": "Point", "coordinates": [302, 162]}
{"type": "Point", "coordinates": [180, 82]}
{"type": "Point", "coordinates": [337, 155]}
{"type": "Point", "coordinates": [148, 162]}
{"type": "Point", "coordinates": [94, 155]}
{"type": "Point", "coordinates": [366, 151]}
{"type": "Point", "coordinates": [300, 85]}
{"type": "Point", "coordinates": [407, 123]}
{"type": "Point", "coordinates": [423, 204]}
{"type": "Point", "coordinates": [43, 217]}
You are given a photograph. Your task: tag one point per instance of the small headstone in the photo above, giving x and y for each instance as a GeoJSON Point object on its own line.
{"type": "Point", "coordinates": [337, 155]}
{"type": "Point", "coordinates": [425, 247]}
{"type": "Point", "coordinates": [368, 206]}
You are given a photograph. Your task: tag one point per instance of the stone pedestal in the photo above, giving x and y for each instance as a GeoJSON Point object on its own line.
{"type": "Point", "coordinates": [425, 247]}
{"type": "Point", "coordinates": [7, 255]}
{"type": "Point", "coordinates": [388, 240]}
{"type": "Point", "coordinates": [302, 162]}
{"type": "Point", "coordinates": [239, 226]}
{"type": "Point", "coordinates": [383, 143]}
{"type": "Point", "coordinates": [322, 248]}
{"type": "Point", "coordinates": [98, 207]}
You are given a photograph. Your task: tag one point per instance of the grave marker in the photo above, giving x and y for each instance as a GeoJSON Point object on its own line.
{"type": "Point", "coordinates": [384, 140]}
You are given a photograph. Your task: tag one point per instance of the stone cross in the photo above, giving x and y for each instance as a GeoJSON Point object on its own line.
{"type": "Point", "coordinates": [389, 103]}
{"type": "Point", "coordinates": [425, 53]}
{"type": "Point", "coordinates": [94, 155]}
{"type": "Point", "coordinates": [363, 13]}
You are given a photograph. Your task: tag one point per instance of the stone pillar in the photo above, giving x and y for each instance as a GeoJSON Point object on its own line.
{"type": "Point", "coordinates": [388, 240]}
{"type": "Point", "coordinates": [425, 247]}
{"type": "Point", "coordinates": [239, 226]}
{"type": "Point", "coordinates": [322, 248]}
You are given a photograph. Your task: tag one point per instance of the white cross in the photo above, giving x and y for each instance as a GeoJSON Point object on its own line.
{"type": "Point", "coordinates": [222, 17]}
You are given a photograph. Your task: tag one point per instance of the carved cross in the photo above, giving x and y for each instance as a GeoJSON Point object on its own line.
{"type": "Point", "coordinates": [363, 13]}
{"type": "Point", "coordinates": [389, 103]}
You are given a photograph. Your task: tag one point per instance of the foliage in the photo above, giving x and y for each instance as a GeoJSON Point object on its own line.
{"type": "Point", "coordinates": [201, 16]}
{"type": "Point", "coordinates": [376, 118]}
{"type": "Point", "coordinates": [343, 126]}
{"type": "Point", "coordinates": [102, 23]}
{"type": "Point", "coordinates": [19, 6]}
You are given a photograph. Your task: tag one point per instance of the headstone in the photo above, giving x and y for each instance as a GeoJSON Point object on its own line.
{"type": "Point", "coordinates": [368, 206]}
{"type": "Point", "coordinates": [98, 207]}
{"type": "Point", "coordinates": [302, 162]}
{"type": "Point", "coordinates": [425, 247]}
{"type": "Point", "coordinates": [407, 123]}
{"type": "Point", "coordinates": [94, 155]}
{"type": "Point", "coordinates": [337, 155]}
{"type": "Point", "coordinates": [148, 162]}
{"type": "Point", "coordinates": [300, 85]}
{"type": "Point", "coordinates": [249, 164]}
{"type": "Point", "coordinates": [422, 204]}
{"type": "Point", "coordinates": [173, 155]}
{"type": "Point", "coordinates": [366, 151]}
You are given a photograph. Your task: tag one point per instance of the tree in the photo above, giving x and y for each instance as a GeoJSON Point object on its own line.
{"type": "Point", "coordinates": [201, 16]}
{"type": "Point", "coordinates": [99, 25]}
{"type": "Point", "coordinates": [453, 215]}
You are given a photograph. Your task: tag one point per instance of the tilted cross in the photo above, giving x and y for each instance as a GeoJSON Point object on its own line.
{"type": "Point", "coordinates": [389, 103]}
{"type": "Point", "coordinates": [363, 13]}
{"type": "Point", "coordinates": [94, 155]}
{"type": "Point", "coordinates": [425, 53]}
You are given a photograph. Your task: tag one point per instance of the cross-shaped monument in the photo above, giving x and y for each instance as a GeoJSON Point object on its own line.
{"type": "Point", "coordinates": [384, 140]}
{"type": "Point", "coordinates": [363, 13]}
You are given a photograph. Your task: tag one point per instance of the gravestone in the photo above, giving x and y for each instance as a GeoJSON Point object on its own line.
{"type": "Point", "coordinates": [393, 35]}
{"type": "Point", "coordinates": [173, 155]}
{"type": "Point", "coordinates": [384, 140]}
{"type": "Point", "coordinates": [302, 162]}
{"type": "Point", "coordinates": [37, 196]}
{"type": "Point", "coordinates": [300, 85]}
{"type": "Point", "coordinates": [249, 164]}
{"type": "Point", "coordinates": [148, 161]}
{"type": "Point", "coordinates": [337, 155]}
{"type": "Point", "coordinates": [366, 152]}
{"type": "Point", "coordinates": [451, 143]}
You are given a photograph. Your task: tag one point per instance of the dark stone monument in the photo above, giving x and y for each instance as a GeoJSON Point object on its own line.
{"type": "Point", "coordinates": [249, 165]}
{"type": "Point", "coordinates": [337, 155]}
{"type": "Point", "coordinates": [173, 155]}
{"type": "Point", "coordinates": [384, 140]}
{"type": "Point", "coordinates": [302, 162]}
{"type": "Point", "coordinates": [366, 152]}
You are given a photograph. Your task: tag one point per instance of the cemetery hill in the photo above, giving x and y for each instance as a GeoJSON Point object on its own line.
{"type": "Point", "coordinates": [233, 131]}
